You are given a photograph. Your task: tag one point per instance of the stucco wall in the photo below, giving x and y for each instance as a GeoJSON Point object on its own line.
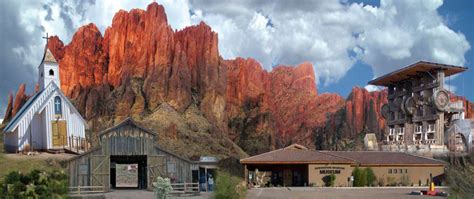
{"type": "Point", "coordinates": [316, 175]}
{"type": "Point", "coordinates": [414, 174]}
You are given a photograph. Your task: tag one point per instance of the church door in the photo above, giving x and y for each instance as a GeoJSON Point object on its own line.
{"type": "Point", "coordinates": [59, 133]}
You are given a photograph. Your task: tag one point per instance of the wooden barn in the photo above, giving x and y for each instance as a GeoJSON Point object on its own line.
{"type": "Point", "coordinates": [128, 143]}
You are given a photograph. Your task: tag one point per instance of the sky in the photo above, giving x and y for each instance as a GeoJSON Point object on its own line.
{"type": "Point", "coordinates": [349, 42]}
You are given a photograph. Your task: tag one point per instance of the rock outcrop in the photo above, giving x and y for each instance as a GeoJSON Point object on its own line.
{"type": "Point", "coordinates": [14, 106]}
{"type": "Point", "coordinates": [175, 82]}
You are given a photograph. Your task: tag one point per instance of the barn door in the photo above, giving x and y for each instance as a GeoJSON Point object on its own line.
{"type": "Point", "coordinates": [100, 171]}
{"type": "Point", "coordinates": [156, 167]}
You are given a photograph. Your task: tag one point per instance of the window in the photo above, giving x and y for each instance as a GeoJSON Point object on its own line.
{"type": "Point", "coordinates": [401, 170]}
{"type": "Point", "coordinates": [395, 170]}
{"type": "Point", "coordinates": [406, 170]}
{"type": "Point", "coordinates": [418, 128]}
{"type": "Point", "coordinates": [57, 106]}
{"type": "Point", "coordinates": [401, 133]}
{"type": "Point", "coordinates": [431, 127]}
{"type": "Point", "coordinates": [389, 170]}
{"type": "Point", "coordinates": [391, 134]}
{"type": "Point", "coordinates": [51, 72]}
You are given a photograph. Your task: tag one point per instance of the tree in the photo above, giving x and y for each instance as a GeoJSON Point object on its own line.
{"type": "Point", "coordinates": [360, 177]}
{"type": "Point", "coordinates": [371, 178]}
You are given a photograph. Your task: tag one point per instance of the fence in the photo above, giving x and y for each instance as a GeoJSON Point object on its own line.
{"type": "Point", "coordinates": [81, 190]}
{"type": "Point", "coordinates": [185, 188]}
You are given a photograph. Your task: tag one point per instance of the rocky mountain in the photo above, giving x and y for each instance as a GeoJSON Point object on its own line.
{"type": "Point", "coordinates": [176, 83]}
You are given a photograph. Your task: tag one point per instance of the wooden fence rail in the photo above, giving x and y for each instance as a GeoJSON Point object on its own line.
{"type": "Point", "coordinates": [86, 190]}
{"type": "Point", "coordinates": [185, 188]}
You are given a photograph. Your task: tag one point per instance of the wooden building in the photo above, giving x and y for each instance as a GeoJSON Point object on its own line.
{"type": "Point", "coordinates": [48, 120]}
{"type": "Point", "coordinates": [297, 165]}
{"type": "Point", "coordinates": [420, 109]}
{"type": "Point", "coordinates": [128, 143]}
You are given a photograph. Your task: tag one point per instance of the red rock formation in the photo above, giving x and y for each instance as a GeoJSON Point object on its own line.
{"type": "Point", "coordinates": [20, 99]}
{"type": "Point", "coordinates": [8, 113]}
{"type": "Point", "coordinates": [468, 106]}
{"type": "Point", "coordinates": [363, 111]}
{"type": "Point", "coordinates": [289, 94]}
{"type": "Point", "coordinates": [15, 105]}
{"type": "Point", "coordinates": [141, 62]}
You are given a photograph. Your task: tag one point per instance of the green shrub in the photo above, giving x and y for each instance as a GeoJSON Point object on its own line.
{"type": "Point", "coordinates": [360, 177]}
{"type": "Point", "coordinates": [329, 180]}
{"type": "Point", "coordinates": [229, 187]}
{"type": "Point", "coordinates": [36, 184]}
{"type": "Point", "coordinates": [371, 178]}
{"type": "Point", "coordinates": [162, 187]}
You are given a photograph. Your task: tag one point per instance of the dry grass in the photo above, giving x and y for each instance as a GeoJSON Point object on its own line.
{"type": "Point", "coordinates": [24, 164]}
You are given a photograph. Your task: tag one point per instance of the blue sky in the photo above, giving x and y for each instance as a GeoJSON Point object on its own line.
{"type": "Point", "coordinates": [348, 42]}
{"type": "Point", "coordinates": [459, 16]}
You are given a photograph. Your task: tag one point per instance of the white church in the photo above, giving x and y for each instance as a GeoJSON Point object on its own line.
{"type": "Point", "coordinates": [48, 121]}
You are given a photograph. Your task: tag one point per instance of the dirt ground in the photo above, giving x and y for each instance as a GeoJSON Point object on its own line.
{"type": "Point", "coordinates": [141, 194]}
{"type": "Point", "coordinates": [39, 156]}
{"type": "Point", "coordinates": [336, 193]}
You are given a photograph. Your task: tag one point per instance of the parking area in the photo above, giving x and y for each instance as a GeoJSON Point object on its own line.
{"type": "Point", "coordinates": [337, 193]}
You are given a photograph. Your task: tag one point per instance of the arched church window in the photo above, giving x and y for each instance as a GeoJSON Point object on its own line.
{"type": "Point", "coordinates": [57, 106]}
{"type": "Point", "coordinates": [51, 72]}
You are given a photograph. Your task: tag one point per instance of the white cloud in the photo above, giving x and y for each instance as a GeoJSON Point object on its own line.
{"type": "Point", "coordinates": [334, 35]}
{"type": "Point", "coordinates": [330, 34]}
{"type": "Point", "coordinates": [372, 88]}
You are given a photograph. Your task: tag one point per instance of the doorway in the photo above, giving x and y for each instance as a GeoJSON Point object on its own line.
{"type": "Point", "coordinates": [128, 172]}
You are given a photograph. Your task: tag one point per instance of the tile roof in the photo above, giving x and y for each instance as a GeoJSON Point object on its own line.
{"type": "Point", "coordinates": [297, 154]}
{"type": "Point", "coordinates": [294, 154]}
{"type": "Point", "coordinates": [385, 158]}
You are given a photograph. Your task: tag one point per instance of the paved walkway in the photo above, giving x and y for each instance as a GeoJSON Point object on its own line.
{"type": "Point", "coordinates": [141, 194]}
{"type": "Point", "coordinates": [336, 193]}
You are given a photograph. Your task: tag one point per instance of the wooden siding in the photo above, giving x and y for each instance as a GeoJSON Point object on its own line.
{"type": "Point", "coordinates": [126, 139]}
{"type": "Point", "coordinates": [36, 119]}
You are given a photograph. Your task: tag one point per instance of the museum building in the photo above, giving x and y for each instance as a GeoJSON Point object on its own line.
{"type": "Point", "coordinates": [297, 165]}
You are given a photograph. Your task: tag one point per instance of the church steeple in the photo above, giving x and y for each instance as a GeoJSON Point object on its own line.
{"type": "Point", "coordinates": [48, 69]}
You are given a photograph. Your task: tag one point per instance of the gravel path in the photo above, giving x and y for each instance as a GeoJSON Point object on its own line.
{"type": "Point", "coordinates": [336, 193]}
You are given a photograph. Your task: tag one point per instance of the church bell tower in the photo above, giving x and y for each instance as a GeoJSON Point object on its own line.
{"type": "Point", "coordinates": [48, 70]}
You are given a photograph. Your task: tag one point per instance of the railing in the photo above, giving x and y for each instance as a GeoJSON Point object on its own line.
{"type": "Point", "coordinates": [78, 144]}
{"type": "Point", "coordinates": [81, 190]}
{"type": "Point", "coordinates": [185, 188]}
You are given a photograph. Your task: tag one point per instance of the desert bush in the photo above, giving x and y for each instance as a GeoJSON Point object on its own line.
{"type": "Point", "coordinates": [461, 181]}
{"type": "Point", "coordinates": [229, 187]}
{"type": "Point", "coordinates": [404, 180]}
{"type": "Point", "coordinates": [381, 181]}
{"type": "Point", "coordinates": [162, 187]}
{"type": "Point", "coordinates": [329, 180]}
{"type": "Point", "coordinates": [35, 184]}
{"type": "Point", "coordinates": [391, 181]}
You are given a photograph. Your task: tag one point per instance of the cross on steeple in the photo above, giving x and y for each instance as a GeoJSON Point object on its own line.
{"type": "Point", "coordinates": [47, 38]}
